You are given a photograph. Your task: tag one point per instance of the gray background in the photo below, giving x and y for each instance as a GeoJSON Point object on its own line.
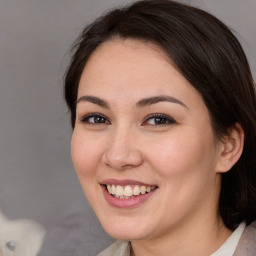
{"type": "Point", "coordinates": [37, 179]}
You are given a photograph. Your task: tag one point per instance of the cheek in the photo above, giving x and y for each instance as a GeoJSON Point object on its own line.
{"type": "Point", "coordinates": [86, 154]}
{"type": "Point", "coordinates": [182, 154]}
{"type": "Point", "coordinates": [185, 170]}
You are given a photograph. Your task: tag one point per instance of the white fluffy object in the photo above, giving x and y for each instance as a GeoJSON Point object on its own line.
{"type": "Point", "coordinates": [20, 237]}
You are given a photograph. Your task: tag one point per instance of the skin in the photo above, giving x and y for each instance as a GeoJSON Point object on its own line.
{"type": "Point", "coordinates": [182, 157]}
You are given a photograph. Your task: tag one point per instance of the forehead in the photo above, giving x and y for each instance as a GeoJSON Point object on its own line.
{"type": "Point", "coordinates": [119, 68]}
{"type": "Point", "coordinates": [118, 54]}
{"type": "Point", "coordinates": [131, 46]}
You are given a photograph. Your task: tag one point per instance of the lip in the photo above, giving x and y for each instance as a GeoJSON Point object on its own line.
{"type": "Point", "coordinates": [125, 203]}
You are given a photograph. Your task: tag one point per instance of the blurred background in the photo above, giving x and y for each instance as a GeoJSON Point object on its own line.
{"type": "Point", "coordinates": [37, 179]}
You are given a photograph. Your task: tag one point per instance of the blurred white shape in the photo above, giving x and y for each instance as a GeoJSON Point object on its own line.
{"type": "Point", "coordinates": [21, 237]}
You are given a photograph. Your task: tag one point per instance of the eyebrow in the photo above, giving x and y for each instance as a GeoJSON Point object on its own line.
{"type": "Point", "coordinates": [141, 103]}
{"type": "Point", "coordinates": [157, 99]}
{"type": "Point", "coordinates": [94, 100]}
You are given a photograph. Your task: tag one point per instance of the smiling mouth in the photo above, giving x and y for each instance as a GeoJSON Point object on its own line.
{"type": "Point", "coordinates": [128, 191]}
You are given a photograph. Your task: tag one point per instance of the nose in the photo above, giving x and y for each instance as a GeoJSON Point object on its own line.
{"type": "Point", "coordinates": [123, 150]}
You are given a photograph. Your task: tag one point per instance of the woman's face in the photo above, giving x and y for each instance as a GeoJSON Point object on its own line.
{"type": "Point", "coordinates": [143, 146]}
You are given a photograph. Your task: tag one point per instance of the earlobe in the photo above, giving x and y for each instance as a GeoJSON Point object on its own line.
{"type": "Point", "coordinates": [231, 148]}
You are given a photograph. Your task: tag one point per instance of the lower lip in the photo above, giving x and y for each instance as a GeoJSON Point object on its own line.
{"type": "Point", "coordinates": [126, 203]}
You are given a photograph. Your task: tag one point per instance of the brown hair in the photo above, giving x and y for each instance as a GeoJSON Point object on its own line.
{"type": "Point", "coordinates": [210, 57]}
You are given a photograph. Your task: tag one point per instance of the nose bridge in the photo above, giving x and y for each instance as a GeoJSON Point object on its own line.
{"type": "Point", "coordinates": [122, 151]}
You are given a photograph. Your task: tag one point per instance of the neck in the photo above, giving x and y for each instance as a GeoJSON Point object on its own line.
{"type": "Point", "coordinates": [201, 239]}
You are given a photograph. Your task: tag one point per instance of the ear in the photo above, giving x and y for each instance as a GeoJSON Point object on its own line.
{"type": "Point", "coordinates": [230, 148]}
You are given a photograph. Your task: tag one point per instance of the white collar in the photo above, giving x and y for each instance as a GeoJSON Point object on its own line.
{"type": "Point", "coordinates": [229, 247]}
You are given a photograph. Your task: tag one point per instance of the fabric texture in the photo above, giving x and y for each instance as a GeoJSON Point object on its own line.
{"type": "Point", "coordinates": [247, 242]}
{"type": "Point", "coordinates": [118, 248]}
{"type": "Point", "coordinates": [246, 245]}
{"type": "Point", "coordinates": [229, 247]}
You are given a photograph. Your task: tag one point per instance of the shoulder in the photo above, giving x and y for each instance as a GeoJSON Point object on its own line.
{"type": "Point", "coordinates": [118, 248]}
{"type": "Point", "coordinates": [247, 242]}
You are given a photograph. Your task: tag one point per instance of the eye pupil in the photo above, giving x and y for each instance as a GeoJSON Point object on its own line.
{"type": "Point", "coordinates": [99, 119]}
{"type": "Point", "coordinates": [160, 120]}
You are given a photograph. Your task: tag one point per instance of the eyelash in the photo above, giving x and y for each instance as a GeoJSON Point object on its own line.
{"type": "Point", "coordinates": [163, 119]}
{"type": "Point", "coordinates": [86, 118]}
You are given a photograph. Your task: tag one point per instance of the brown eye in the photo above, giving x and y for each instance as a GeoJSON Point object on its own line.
{"type": "Point", "coordinates": [95, 119]}
{"type": "Point", "coordinates": [159, 119]}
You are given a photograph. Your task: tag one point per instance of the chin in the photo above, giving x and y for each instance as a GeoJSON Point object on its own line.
{"type": "Point", "coordinates": [123, 229]}
{"type": "Point", "coordinates": [125, 236]}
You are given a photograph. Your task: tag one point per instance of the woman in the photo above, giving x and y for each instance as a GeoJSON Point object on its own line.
{"type": "Point", "coordinates": [163, 109]}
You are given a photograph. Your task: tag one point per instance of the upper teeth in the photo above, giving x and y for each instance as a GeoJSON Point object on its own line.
{"type": "Point", "coordinates": [129, 191]}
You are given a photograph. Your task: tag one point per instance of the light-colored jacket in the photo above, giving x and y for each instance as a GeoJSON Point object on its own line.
{"type": "Point", "coordinates": [245, 247]}
{"type": "Point", "coordinates": [247, 242]}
